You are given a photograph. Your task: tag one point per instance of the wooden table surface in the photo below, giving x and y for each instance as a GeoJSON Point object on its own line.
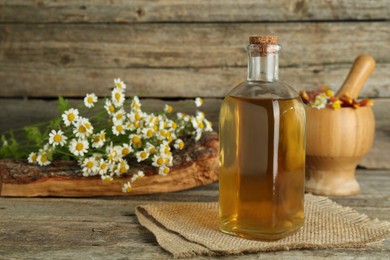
{"type": "Point", "coordinates": [107, 228]}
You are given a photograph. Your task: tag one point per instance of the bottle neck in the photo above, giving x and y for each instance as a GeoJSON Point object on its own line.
{"type": "Point", "coordinates": [263, 62]}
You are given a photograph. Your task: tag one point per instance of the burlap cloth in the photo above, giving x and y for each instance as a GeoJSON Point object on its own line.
{"type": "Point", "coordinates": [191, 229]}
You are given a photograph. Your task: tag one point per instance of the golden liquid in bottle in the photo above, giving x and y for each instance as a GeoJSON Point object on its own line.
{"type": "Point", "coordinates": [262, 161]}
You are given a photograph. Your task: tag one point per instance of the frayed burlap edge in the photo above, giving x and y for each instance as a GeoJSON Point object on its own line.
{"type": "Point", "coordinates": [180, 246]}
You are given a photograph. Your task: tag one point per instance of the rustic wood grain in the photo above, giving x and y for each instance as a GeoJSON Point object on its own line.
{"type": "Point", "coordinates": [122, 11]}
{"type": "Point", "coordinates": [32, 81]}
{"type": "Point", "coordinates": [99, 228]}
{"type": "Point", "coordinates": [163, 45]}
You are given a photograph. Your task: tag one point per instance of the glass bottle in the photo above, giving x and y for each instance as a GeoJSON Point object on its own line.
{"type": "Point", "coordinates": [262, 151]}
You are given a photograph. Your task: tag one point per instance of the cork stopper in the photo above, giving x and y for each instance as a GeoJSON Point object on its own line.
{"type": "Point", "coordinates": [263, 42]}
{"type": "Point", "coordinates": [263, 39]}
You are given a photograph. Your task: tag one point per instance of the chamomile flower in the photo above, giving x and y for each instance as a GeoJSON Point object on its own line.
{"type": "Point", "coordinates": [137, 176]}
{"type": "Point", "coordinates": [197, 123]}
{"type": "Point", "coordinates": [117, 97]}
{"type": "Point", "coordinates": [135, 103]}
{"type": "Point", "coordinates": [119, 84]}
{"type": "Point", "coordinates": [46, 149]}
{"type": "Point", "coordinates": [113, 153]}
{"type": "Point", "coordinates": [43, 159]}
{"type": "Point", "coordinates": [198, 101]}
{"type": "Point", "coordinates": [57, 138]}
{"type": "Point", "coordinates": [148, 132]}
{"type": "Point", "coordinates": [179, 144]}
{"type": "Point", "coordinates": [163, 170]}
{"type": "Point", "coordinates": [150, 120]}
{"type": "Point", "coordinates": [126, 187]}
{"type": "Point", "coordinates": [122, 167]}
{"type": "Point", "coordinates": [107, 178]}
{"type": "Point", "coordinates": [109, 107]}
{"type": "Point", "coordinates": [102, 167]}
{"type": "Point", "coordinates": [135, 140]}
{"type": "Point", "coordinates": [198, 134]}
{"type": "Point", "coordinates": [83, 128]}
{"type": "Point", "coordinates": [168, 160]}
{"type": "Point", "coordinates": [208, 125]}
{"type": "Point", "coordinates": [126, 149]}
{"type": "Point", "coordinates": [150, 148]}
{"type": "Point", "coordinates": [99, 139]}
{"type": "Point", "coordinates": [172, 125]}
{"type": "Point", "coordinates": [165, 149]}
{"type": "Point", "coordinates": [78, 147]}
{"type": "Point", "coordinates": [118, 128]}
{"type": "Point", "coordinates": [70, 116]}
{"type": "Point", "coordinates": [90, 166]}
{"type": "Point", "coordinates": [142, 155]}
{"type": "Point", "coordinates": [158, 160]}
{"type": "Point", "coordinates": [90, 100]}
{"type": "Point", "coordinates": [200, 115]}
{"type": "Point", "coordinates": [32, 158]}
{"type": "Point", "coordinates": [168, 108]}
{"type": "Point", "coordinates": [119, 116]}
{"type": "Point", "coordinates": [320, 101]}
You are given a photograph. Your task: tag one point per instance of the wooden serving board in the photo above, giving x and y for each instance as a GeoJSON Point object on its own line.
{"type": "Point", "coordinates": [195, 165]}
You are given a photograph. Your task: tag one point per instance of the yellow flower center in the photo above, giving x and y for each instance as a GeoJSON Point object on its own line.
{"type": "Point", "coordinates": [57, 138]}
{"type": "Point", "coordinates": [125, 151]}
{"type": "Point", "coordinates": [71, 117]}
{"type": "Point", "coordinates": [152, 150]}
{"type": "Point", "coordinates": [163, 133]}
{"type": "Point", "coordinates": [155, 128]}
{"type": "Point", "coordinates": [90, 100]}
{"type": "Point", "coordinates": [160, 161]}
{"type": "Point", "coordinates": [43, 159]}
{"type": "Point", "coordinates": [143, 154]}
{"type": "Point", "coordinates": [119, 128]}
{"type": "Point", "coordinates": [119, 85]}
{"type": "Point", "coordinates": [103, 166]}
{"type": "Point", "coordinates": [82, 129]}
{"type": "Point", "coordinates": [136, 124]}
{"type": "Point", "coordinates": [111, 108]}
{"type": "Point", "coordinates": [34, 157]}
{"type": "Point", "coordinates": [90, 165]}
{"type": "Point", "coordinates": [166, 170]}
{"type": "Point", "coordinates": [137, 116]}
{"type": "Point", "coordinates": [88, 126]}
{"type": "Point", "coordinates": [119, 116]}
{"type": "Point", "coordinates": [174, 125]}
{"type": "Point", "coordinates": [103, 136]}
{"type": "Point", "coordinates": [122, 169]}
{"type": "Point", "coordinates": [149, 133]}
{"type": "Point", "coordinates": [79, 146]}
{"type": "Point", "coordinates": [117, 96]}
{"type": "Point", "coordinates": [181, 145]}
{"type": "Point", "coordinates": [96, 139]}
{"type": "Point", "coordinates": [135, 139]}
{"type": "Point", "coordinates": [128, 189]}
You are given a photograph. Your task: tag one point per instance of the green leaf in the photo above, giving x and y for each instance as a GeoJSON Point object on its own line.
{"type": "Point", "coordinates": [63, 104]}
{"type": "Point", "coordinates": [34, 134]}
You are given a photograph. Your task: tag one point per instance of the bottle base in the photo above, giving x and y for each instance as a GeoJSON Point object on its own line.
{"type": "Point", "coordinates": [256, 235]}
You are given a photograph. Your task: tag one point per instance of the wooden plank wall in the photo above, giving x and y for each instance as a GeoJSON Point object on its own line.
{"type": "Point", "coordinates": [176, 50]}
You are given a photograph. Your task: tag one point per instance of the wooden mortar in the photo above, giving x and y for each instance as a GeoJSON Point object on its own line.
{"type": "Point", "coordinates": [336, 140]}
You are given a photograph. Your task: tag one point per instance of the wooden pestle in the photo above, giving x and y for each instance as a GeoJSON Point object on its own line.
{"type": "Point", "coordinates": [358, 75]}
